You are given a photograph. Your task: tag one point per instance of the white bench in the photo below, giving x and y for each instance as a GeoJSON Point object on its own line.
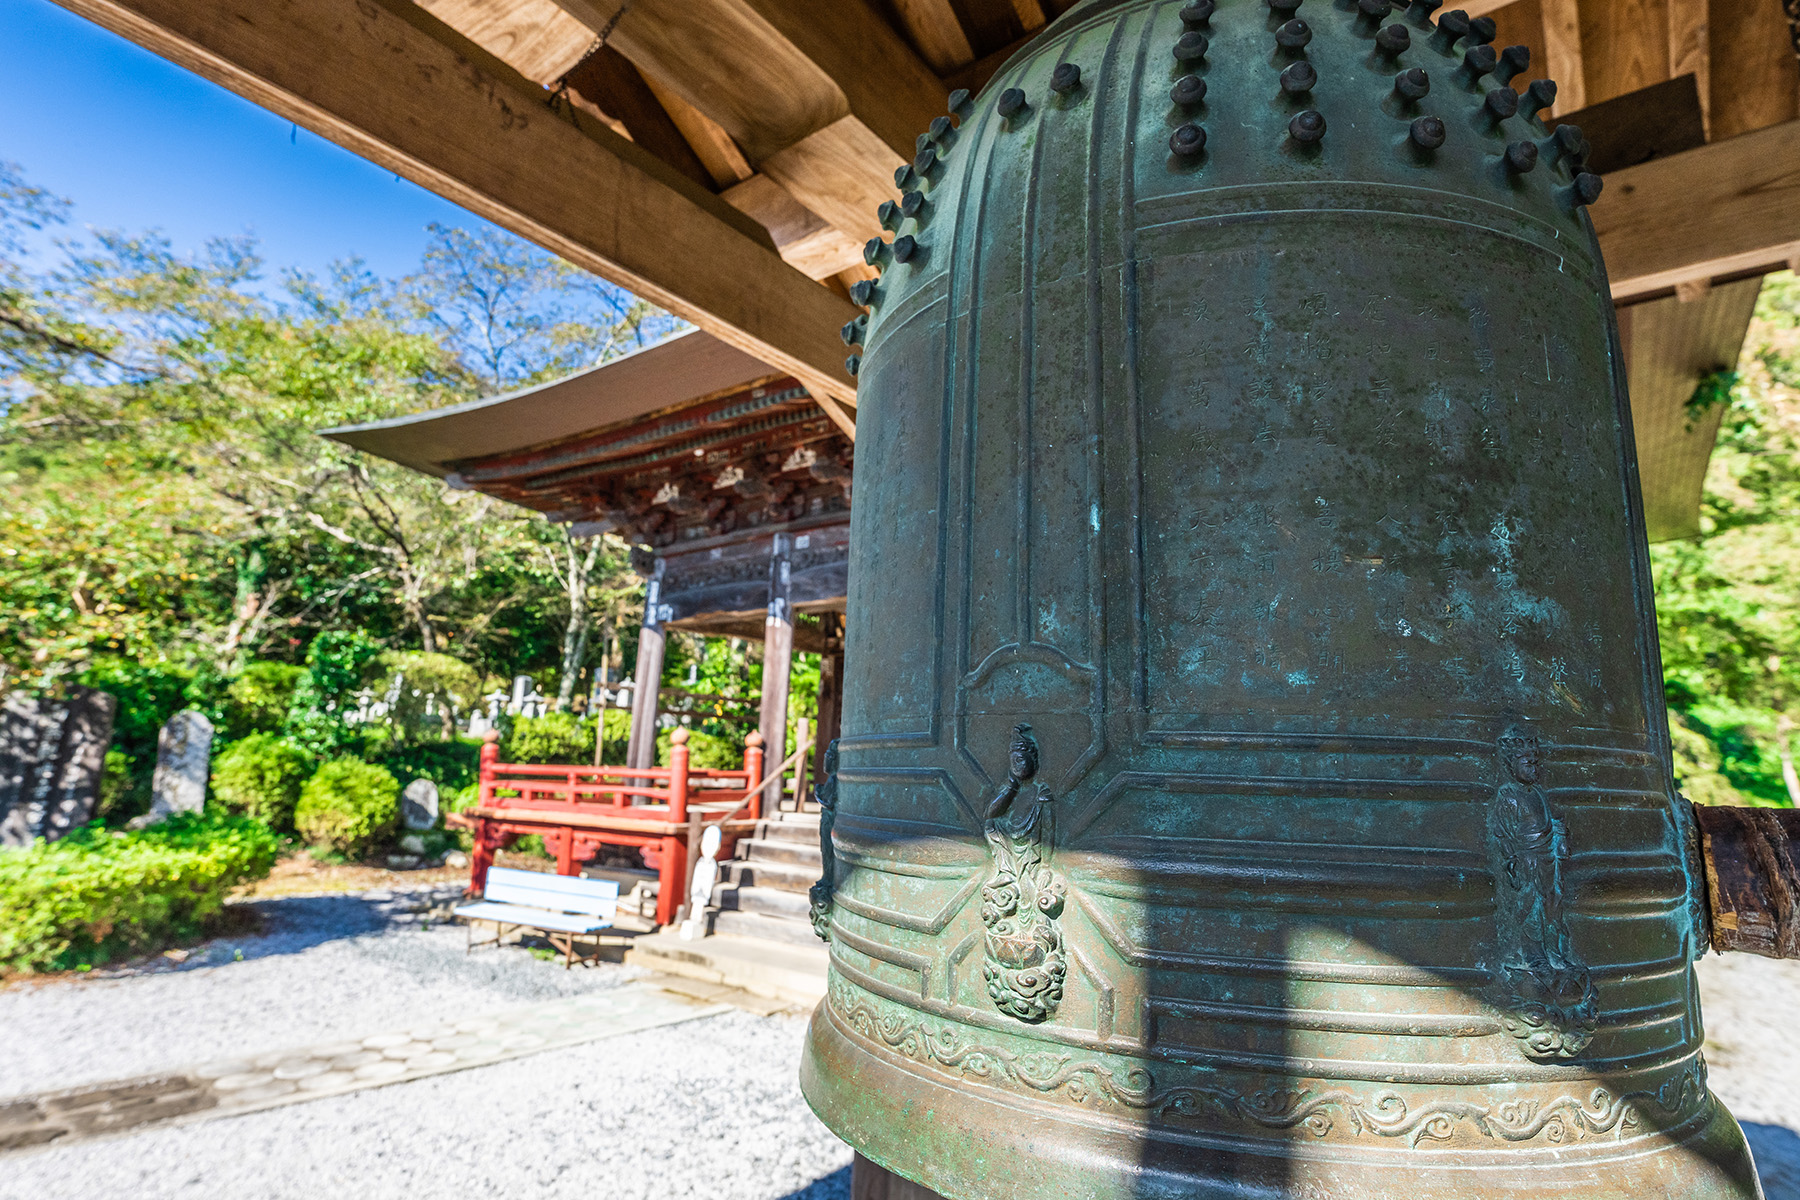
{"type": "Point", "coordinates": [562, 907]}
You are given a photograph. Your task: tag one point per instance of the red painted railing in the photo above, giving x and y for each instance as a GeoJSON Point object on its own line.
{"type": "Point", "coordinates": [578, 809]}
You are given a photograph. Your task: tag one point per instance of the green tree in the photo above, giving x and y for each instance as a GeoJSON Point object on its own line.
{"type": "Point", "coordinates": [1728, 601]}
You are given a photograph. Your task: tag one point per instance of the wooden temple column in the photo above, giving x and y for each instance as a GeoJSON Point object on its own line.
{"type": "Point", "coordinates": [831, 689]}
{"type": "Point", "coordinates": [640, 751]}
{"type": "Point", "coordinates": [778, 660]}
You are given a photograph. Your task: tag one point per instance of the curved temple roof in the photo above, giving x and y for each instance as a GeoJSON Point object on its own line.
{"type": "Point", "coordinates": [672, 372]}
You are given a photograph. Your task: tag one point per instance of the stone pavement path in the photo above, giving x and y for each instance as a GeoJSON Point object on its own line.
{"type": "Point", "coordinates": [230, 1086]}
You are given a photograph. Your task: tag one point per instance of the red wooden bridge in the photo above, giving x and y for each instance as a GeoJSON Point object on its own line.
{"type": "Point", "coordinates": [577, 809]}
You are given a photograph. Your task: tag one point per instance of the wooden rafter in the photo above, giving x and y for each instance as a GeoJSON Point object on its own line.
{"type": "Point", "coordinates": [932, 26]}
{"type": "Point", "coordinates": [400, 89]}
{"type": "Point", "coordinates": [607, 80]}
{"type": "Point", "coordinates": [827, 98]}
{"type": "Point", "coordinates": [533, 37]}
{"type": "Point", "coordinates": [1759, 81]}
{"type": "Point", "coordinates": [1727, 208]}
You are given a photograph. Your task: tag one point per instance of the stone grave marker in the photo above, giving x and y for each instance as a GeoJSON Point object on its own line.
{"type": "Point", "coordinates": [183, 764]}
{"type": "Point", "coordinates": [419, 804]}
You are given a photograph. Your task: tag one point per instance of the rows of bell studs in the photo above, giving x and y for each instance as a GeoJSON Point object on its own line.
{"type": "Point", "coordinates": [1411, 85]}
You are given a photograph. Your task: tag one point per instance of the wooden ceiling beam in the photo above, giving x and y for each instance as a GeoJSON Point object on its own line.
{"type": "Point", "coordinates": [1563, 59]}
{"type": "Point", "coordinates": [533, 37]}
{"type": "Point", "coordinates": [462, 124]}
{"type": "Point", "coordinates": [1758, 83]}
{"type": "Point", "coordinates": [826, 98]}
{"type": "Point", "coordinates": [933, 27]}
{"type": "Point", "coordinates": [1624, 46]}
{"type": "Point", "coordinates": [1721, 209]}
{"type": "Point", "coordinates": [607, 80]}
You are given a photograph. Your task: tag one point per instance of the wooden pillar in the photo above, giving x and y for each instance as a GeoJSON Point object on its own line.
{"type": "Point", "coordinates": [641, 749]}
{"type": "Point", "coordinates": [778, 659]}
{"type": "Point", "coordinates": [831, 690]}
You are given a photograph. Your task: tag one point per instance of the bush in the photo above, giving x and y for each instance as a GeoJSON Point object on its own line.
{"type": "Point", "coordinates": [348, 806]}
{"type": "Point", "coordinates": [557, 737]}
{"type": "Point", "coordinates": [707, 750]}
{"type": "Point", "coordinates": [95, 895]}
{"type": "Point", "coordinates": [407, 679]}
{"type": "Point", "coordinates": [257, 700]}
{"type": "Point", "coordinates": [450, 765]}
{"type": "Point", "coordinates": [261, 776]}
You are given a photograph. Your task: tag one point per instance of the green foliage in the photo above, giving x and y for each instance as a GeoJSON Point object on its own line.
{"type": "Point", "coordinates": [450, 765]}
{"type": "Point", "coordinates": [552, 738]}
{"type": "Point", "coordinates": [96, 895]}
{"type": "Point", "coordinates": [258, 699]}
{"type": "Point", "coordinates": [1728, 601]}
{"type": "Point", "coordinates": [349, 806]}
{"type": "Point", "coordinates": [261, 776]}
{"type": "Point", "coordinates": [424, 690]}
{"type": "Point", "coordinates": [1714, 391]}
{"type": "Point", "coordinates": [336, 663]}
{"type": "Point", "coordinates": [165, 498]}
{"type": "Point", "coordinates": [116, 803]}
{"type": "Point", "coordinates": [148, 695]}
{"type": "Point", "coordinates": [709, 750]}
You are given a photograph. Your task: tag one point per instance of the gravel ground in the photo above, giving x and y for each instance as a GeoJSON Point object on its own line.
{"type": "Point", "coordinates": [1751, 1007]}
{"type": "Point", "coordinates": [326, 968]}
{"type": "Point", "coordinates": [705, 1109]}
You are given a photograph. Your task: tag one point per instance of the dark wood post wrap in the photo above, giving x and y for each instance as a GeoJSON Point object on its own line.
{"type": "Point", "coordinates": [1751, 879]}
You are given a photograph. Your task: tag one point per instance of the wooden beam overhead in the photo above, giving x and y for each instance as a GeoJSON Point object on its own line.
{"type": "Point", "coordinates": [773, 71]}
{"type": "Point", "coordinates": [1563, 62]}
{"type": "Point", "coordinates": [932, 26]}
{"type": "Point", "coordinates": [1690, 49]}
{"type": "Point", "coordinates": [462, 124]}
{"type": "Point", "coordinates": [1624, 47]}
{"type": "Point", "coordinates": [1668, 345]}
{"type": "Point", "coordinates": [724, 160]}
{"type": "Point", "coordinates": [825, 97]}
{"type": "Point", "coordinates": [534, 37]}
{"type": "Point", "coordinates": [805, 240]}
{"type": "Point", "coordinates": [607, 80]}
{"type": "Point", "coordinates": [1726, 208]}
{"type": "Point", "coordinates": [1758, 83]}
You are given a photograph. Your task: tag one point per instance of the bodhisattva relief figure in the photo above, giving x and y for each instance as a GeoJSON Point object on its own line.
{"type": "Point", "coordinates": [1548, 992]}
{"type": "Point", "coordinates": [1023, 963]}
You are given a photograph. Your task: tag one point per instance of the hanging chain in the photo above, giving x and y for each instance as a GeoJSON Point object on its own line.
{"type": "Point", "coordinates": [1792, 9]}
{"type": "Point", "coordinates": [559, 96]}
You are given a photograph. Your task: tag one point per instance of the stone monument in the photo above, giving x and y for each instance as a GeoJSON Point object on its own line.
{"type": "Point", "coordinates": [183, 763]}
{"type": "Point", "coordinates": [419, 805]}
{"type": "Point", "coordinates": [52, 753]}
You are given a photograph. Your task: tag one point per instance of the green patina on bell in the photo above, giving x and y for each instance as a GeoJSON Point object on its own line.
{"type": "Point", "coordinates": [1254, 778]}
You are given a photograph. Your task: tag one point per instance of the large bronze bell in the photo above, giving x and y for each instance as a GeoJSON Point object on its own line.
{"type": "Point", "coordinates": [1255, 779]}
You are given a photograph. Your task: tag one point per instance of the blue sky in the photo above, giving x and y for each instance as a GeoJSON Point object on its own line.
{"type": "Point", "coordinates": [138, 143]}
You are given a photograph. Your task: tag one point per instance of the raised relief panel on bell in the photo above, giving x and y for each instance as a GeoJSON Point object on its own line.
{"type": "Point", "coordinates": [1254, 778]}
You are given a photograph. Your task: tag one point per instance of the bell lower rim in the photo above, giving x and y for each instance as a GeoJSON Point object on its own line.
{"type": "Point", "coordinates": [978, 1143]}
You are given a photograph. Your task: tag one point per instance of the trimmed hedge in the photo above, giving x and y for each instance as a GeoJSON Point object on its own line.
{"type": "Point", "coordinates": [349, 806]}
{"type": "Point", "coordinates": [261, 775]}
{"type": "Point", "coordinates": [98, 895]}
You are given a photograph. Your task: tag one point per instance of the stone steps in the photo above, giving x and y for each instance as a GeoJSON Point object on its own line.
{"type": "Point", "coordinates": [766, 927]}
{"type": "Point", "coordinates": [772, 902]}
{"type": "Point", "coordinates": [786, 877]}
{"type": "Point", "coordinates": [789, 830]}
{"type": "Point", "coordinates": [781, 970]}
{"type": "Point", "coordinates": [799, 854]}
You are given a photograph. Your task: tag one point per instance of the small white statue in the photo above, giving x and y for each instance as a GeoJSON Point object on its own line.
{"type": "Point", "coordinates": [706, 877]}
